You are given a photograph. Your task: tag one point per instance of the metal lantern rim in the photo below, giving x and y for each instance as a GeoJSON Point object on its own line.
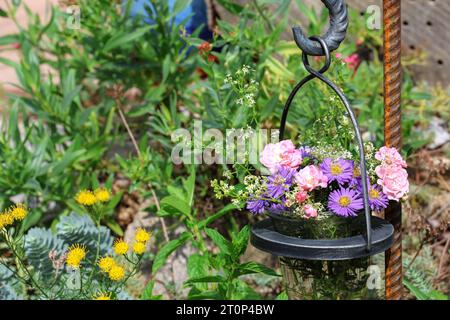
{"type": "Point", "coordinates": [264, 237]}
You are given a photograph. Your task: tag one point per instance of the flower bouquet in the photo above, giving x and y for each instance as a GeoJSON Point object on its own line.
{"type": "Point", "coordinates": [315, 192]}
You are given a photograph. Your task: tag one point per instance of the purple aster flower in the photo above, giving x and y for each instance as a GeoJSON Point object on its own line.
{"type": "Point", "coordinates": [280, 182]}
{"type": "Point", "coordinates": [256, 206]}
{"type": "Point", "coordinates": [276, 208]}
{"type": "Point", "coordinates": [356, 176]}
{"type": "Point", "coordinates": [345, 202]}
{"type": "Point", "coordinates": [338, 170]}
{"type": "Point", "coordinates": [305, 151]}
{"type": "Point", "coordinates": [377, 199]}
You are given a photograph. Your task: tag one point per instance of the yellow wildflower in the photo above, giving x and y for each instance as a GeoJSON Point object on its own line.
{"type": "Point", "coordinates": [6, 219]}
{"type": "Point", "coordinates": [116, 273]}
{"type": "Point", "coordinates": [103, 296]}
{"type": "Point", "coordinates": [142, 235]}
{"type": "Point", "coordinates": [139, 247]}
{"type": "Point", "coordinates": [106, 263]}
{"type": "Point", "coordinates": [75, 255]}
{"type": "Point", "coordinates": [102, 195]}
{"type": "Point", "coordinates": [2, 221]}
{"type": "Point", "coordinates": [120, 247]}
{"type": "Point", "coordinates": [18, 212]}
{"type": "Point", "coordinates": [86, 198]}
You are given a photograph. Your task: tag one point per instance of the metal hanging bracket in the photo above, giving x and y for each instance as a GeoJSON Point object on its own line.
{"type": "Point", "coordinates": [334, 35]}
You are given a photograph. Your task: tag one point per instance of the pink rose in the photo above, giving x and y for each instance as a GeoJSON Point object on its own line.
{"type": "Point", "coordinates": [301, 196]}
{"type": "Point", "coordinates": [390, 156]}
{"type": "Point", "coordinates": [394, 180]}
{"type": "Point", "coordinates": [310, 212]}
{"type": "Point", "coordinates": [311, 177]}
{"type": "Point", "coordinates": [282, 154]}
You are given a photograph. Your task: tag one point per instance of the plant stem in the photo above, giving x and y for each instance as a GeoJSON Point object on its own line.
{"type": "Point", "coordinates": [139, 154]}
{"type": "Point", "coordinates": [20, 264]}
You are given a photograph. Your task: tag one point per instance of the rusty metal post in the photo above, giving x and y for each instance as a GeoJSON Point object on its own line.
{"type": "Point", "coordinates": [392, 136]}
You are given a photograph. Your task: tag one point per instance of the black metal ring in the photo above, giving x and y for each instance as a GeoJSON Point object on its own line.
{"type": "Point", "coordinates": [327, 56]}
{"type": "Point", "coordinates": [334, 35]}
{"type": "Point", "coordinates": [317, 74]}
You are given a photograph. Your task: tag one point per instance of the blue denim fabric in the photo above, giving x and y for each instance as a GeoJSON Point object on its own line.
{"type": "Point", "coordinates": [195, 13]}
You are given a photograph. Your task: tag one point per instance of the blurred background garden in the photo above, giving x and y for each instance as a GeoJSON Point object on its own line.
{"type": "Point", "coordinates": [91, 92]}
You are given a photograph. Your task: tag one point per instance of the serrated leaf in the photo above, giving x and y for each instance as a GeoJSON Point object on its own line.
{"type": "Point", "coordinates": [219, 240]}
{"type": "Point", "coordinates": [241, 241]}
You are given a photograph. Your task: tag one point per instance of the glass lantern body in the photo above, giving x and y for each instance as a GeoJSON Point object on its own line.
{"type": "Point", "coordinates": [354, 279]}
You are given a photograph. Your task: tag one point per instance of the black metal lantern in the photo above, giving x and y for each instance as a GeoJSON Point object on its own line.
{"type": "Point", "coordinates": [310, 261]}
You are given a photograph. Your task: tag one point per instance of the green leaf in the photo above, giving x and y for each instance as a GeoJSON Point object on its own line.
{"type": "Point", "coordinates": [121, 39]}
{"type": "Point", "coordinates": [3, 13]}
{"type": "Point", "coordinates": [207, 279]}
{"type": "Point", "coordinates": [197, 267]}
{"type": "Point", "coordinates": [229, 207]}
{"type": "Point", "coordinates": [189, 186]}
{"type": "Point", "coordinates": [9, 63]}
{"type": "Point", "coordinates": [419, 294]}
{"type": "Point", "coordinates": [436, 295]}
{"type": "Point", "coordinates": [282, 296]}
{"type": "Point", "coordinates": [67, 160]}
{"type": "Point", "coordinates": [174, 205]}
{"type": "Point", "coordinates": [241, 241]}
{"type": "Point", "coordinates": [167, 249]}
{"type": "Point", "coordinates": [206, 295]}
{"type": "Point", "coordinates": [231, 6]}
{"type": "Point", "coordinates": [147, 294]}
{"type": "Point", "coordinates": [166, 68]}
{"type": "Point", "coordinates": [115, 227]}
{"type": "Point", "coordinates": [254, 267]}
{"type": "Point", "coordinates": [219, 240]}
{"type": "Point", "coordinates": [9, 39]}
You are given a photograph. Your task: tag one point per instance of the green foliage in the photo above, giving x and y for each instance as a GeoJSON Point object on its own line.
{"type": "Point", "coordinates": [37, 246]}
{"type": "Point", "coordinates": [425, 295]}
{"type": "Point", "coordinates": [225, 282]}
{"type": "Point", "coordinates": [80, 229]}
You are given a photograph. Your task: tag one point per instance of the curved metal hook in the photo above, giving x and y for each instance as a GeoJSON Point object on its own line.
{"type": "Point", "coordinates": [362, 159]}
{"type": "Point", "coordinates": [334, 35]}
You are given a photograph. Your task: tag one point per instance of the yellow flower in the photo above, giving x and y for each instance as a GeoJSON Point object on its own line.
{"type": "Point", "coordinates": [103, 296]}
{"type": "Point", "coordinates": [106, 263]}
{"type": "Point", "coordinates": [102, 195]}
{"type": "Point", "coordinates": [142, 235]}
{"type": "Point", "coordinates": [6, 219]}
{"type": "Point", "coordinates": [116, 273]}
{"type": "Point", "coordinates": [120, 247]}
{"type": "Point", "coordinates": [86, 198]}
{"type": "Point", "coordinates": [75, 255]}
{"type": "Point", "coordinates": [18, 212]}
{"type": "Point", "coordinates": [139, 247]}
{"type": "Point", "coordinates": [2, 221]}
